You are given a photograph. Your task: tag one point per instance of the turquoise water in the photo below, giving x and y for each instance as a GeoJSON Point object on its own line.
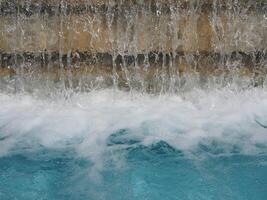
{"type": "Point", "coordinates": [95, 147]}
{"type": "Point", "coordinates": [157, 172]}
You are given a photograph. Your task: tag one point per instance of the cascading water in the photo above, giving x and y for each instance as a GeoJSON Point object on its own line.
{"type": "Point", "coordinates": [133, 99]}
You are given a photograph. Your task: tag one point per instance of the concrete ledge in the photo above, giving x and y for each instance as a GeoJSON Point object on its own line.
{"type": "Point", "coordinates": [164, 74]}
{"type": "Point", "coordinates": [180, 60]}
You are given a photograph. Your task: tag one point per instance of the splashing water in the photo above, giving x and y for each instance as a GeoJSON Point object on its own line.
{"type": "Point", "coordinates": [202, 144]}
{"type": "Point", "coordinates": [133, 100]}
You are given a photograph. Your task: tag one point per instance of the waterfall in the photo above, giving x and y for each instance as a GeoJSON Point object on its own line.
{"type": "Point", "coordinates": [133, 99]}
{"type": "Point", "coordinates": [146, 45]}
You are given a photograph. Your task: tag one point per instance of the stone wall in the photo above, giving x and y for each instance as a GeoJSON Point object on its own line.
{"type": "Point", "coordinates": [192, 34]}
{"type": "Point", "coordinates": [129, 28]}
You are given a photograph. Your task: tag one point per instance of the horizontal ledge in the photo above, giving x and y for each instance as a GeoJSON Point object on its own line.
{"type": "Point", "coordinates": [107, 60]}
{"type": "Point", "coordinates": [14, 7]}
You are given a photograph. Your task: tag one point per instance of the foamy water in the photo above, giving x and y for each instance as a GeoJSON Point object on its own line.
{"type": "Point", "coordinates": [197, 145]}
{"type": "Point", "coordinates": [86, 121]}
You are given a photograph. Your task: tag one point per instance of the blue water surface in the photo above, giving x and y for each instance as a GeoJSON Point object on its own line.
{"type": "Point", "coordinates": [153, 172]}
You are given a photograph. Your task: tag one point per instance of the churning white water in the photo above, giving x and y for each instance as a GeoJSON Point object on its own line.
{"type": "Point", "coordinates": [236, 120]}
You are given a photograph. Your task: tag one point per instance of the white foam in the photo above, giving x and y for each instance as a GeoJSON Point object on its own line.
{"type": "Point", "coordinates": [86, 120]}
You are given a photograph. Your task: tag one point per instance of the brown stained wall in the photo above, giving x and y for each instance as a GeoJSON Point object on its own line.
{"type": "Point", "coordinates": [189, 33]}
{"type": "Point", "coordinates": [136, 30]}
